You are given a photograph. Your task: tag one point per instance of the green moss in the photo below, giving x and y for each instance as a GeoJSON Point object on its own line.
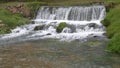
{"type": "Point", "coordinates": [114, 44]}
{"type": "Point", "coordinates": [61, 26]}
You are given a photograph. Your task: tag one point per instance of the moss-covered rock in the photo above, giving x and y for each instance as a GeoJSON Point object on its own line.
{"type": "Point", "coordinates": [61, 26]}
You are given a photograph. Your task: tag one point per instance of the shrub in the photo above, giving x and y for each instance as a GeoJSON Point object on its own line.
{"type": "Point", "coordinates": [61, 26]}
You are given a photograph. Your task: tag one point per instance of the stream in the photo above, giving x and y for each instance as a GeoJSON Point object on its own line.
{"type": "Point", "coordinates": [80, 44]}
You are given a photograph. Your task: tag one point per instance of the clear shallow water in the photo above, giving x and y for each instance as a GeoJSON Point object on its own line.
{"type": "Point", "coordinates": [49, 53]}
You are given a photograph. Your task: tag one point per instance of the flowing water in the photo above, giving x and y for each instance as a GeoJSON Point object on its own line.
{"type": "Point", "coordinates": [81, 44]}
{"type": "Point", "coordinates": [82, 22]}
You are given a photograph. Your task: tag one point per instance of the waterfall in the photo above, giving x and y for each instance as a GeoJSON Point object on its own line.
{"type": "Point", "coordinates": [76, 13]}
{"type": "Point", "coordinates": [82, 22]}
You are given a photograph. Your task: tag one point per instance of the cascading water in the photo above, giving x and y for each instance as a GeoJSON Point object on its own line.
{"type": "Point", "coordinates": [71, 13]}
{"type": "Point", "coordinates": [82, 22]}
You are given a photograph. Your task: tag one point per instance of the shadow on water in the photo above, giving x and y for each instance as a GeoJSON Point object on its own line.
{"type": "Point", "coordinates": [49, 53]}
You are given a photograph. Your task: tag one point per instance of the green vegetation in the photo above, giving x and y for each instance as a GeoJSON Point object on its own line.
{"type": "Point", "coordinates": [114, 44]}
{"type": "Point", "coordinates": [33, 6]}
{"type": "Point", "coordinates": [4, 29]}
{"type": "Point", "coordinates": [61, 26]}
{"type": "Point", "coordinates": [112, 1]}
{"type": "Point", "coordinates": [11, 20]}
{"type": "Point", "coordinates": [112, 22]}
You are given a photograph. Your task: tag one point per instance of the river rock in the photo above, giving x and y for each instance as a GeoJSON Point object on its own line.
{"type": "Point", "coordinates": [72, 27]}
{"type": "Point", "coordinates": [48, 34]}
{"type": "Point", "coordinates": [93, 25]}
{"type": "Point", "coordinates": [40, 27]}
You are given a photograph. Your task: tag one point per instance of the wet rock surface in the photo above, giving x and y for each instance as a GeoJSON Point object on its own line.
{"type": "Point", "coordinates": [40, 27]}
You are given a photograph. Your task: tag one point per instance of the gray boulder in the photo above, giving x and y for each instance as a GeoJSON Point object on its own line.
{"type": "Point", "coordinates": [39, 27]}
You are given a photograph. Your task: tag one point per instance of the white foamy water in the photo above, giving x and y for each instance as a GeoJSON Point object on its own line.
{"type": "Point", "coordinates": [82, 22]}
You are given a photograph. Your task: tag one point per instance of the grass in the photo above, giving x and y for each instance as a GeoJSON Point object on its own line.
{"type": "Point", "coordinates": [112, 1]}
{"type": "Point", "coordinates": [112, 23]}
{"type": "Point", "coordinates": [11, 20]}
{"type": "Point", "coordinates": [114, 44]}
